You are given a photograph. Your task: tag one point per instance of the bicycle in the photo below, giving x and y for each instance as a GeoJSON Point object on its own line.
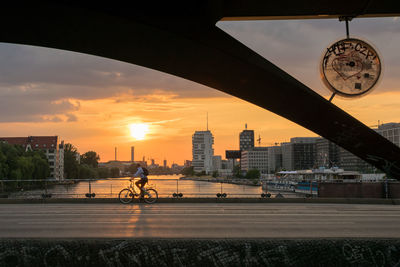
{"type": "Point", "coordinates": [127, 195]}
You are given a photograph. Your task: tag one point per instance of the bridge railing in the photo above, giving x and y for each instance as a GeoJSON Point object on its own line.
{"type": "Point", "coordinates": [110, 188]}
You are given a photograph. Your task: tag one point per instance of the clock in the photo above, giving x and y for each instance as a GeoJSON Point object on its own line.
{"type": "Point", "coordinates": [350, 68]}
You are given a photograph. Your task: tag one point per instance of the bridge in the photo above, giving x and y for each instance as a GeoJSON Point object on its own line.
{"type": "Point", "coordinates": [200, 220]}
{"type": "Point", "coordinates": [182, 39]}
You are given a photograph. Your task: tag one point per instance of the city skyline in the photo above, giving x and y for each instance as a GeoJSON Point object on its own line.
{"type": "Point", "coordinates": [91, 101]}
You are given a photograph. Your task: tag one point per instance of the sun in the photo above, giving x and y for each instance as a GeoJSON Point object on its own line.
{"type": "Point", "coordinates": [138, 130]}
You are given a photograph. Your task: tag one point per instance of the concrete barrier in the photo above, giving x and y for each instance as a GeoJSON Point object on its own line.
{"type": "Point", "coordinates": [358, 190]}
{"type": "Point", "coordinates": [203, 252]}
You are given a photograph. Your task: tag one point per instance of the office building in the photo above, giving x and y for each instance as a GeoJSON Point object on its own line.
{"type": "Point", "coordinates": [53, 150]}
{"type": "Point", "coordinates": [256, 158]}
{"type": "Point", "coordinates": [202, 151]}
{"type": "Point", "coordinates": [217, 163]}
{"type": "Point", "coordinates": [187, 163]}
{"type": "Point", "coordinates": [274, 159]}
{"type": "Point", "coordinates": [327, 153]}
{"type": "Point", "coordinates": [246, 139]}
{"type": "Point", "coordinates": [390, 131]}
{"type": "Point", "coordinates": [132, 153]}
{"type": "Point", "coordinates": [299, 153]}
{"type": "Point", "coordinates": [350, 162]}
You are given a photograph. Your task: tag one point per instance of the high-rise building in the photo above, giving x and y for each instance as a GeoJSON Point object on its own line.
{"type": "Point", "coordinates": [299, 153]}
{"type": "Point", "coordinates": [165, 163]}
{"type": "Point", "coordinates": [246, 139]}
{"type": "Point", "coordinates": [53, 150]}
{"type": "Point", "coordinates": [132, 153]}
{"type": "Point", "coordinates": [256, 158]}
{"type": "Point", "coordinates": [350, 162]}
{"type": "Point", "coordinates": [327, 153]}
{"type": "Point", "coordinates": [274, 159]}
{"type": "Point", "coordinates": [202, 151]}
{"type": "Point", "coordinates": [390, 131]}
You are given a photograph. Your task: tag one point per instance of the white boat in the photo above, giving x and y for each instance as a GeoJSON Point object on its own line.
{"type": "Point", "coordinates": [306, 181]}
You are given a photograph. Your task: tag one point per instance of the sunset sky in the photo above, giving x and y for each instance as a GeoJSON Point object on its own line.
{"type": "Point", "coordinates": [90, 101]}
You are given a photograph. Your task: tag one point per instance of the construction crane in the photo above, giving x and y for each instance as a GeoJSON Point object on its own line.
{"type": "Point", "coordinates": [377, 125]}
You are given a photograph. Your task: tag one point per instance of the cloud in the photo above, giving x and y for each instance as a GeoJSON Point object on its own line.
{"type": "Point", "coordinates": [75, 75]}
{"type": "Point", "coordinates": [296, 46]}
{"type": "Point", "coordinates": [71, 117]}
{"type": "Point", "coordinates": [37, 82]}
{"type": "Point", "coordinates": [26, 109]}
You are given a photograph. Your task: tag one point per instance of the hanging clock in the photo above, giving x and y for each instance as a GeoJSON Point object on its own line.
{"type": "Point", "coordinates": [350, 67]}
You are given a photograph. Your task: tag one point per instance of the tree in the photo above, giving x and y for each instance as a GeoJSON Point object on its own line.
{"type": "Point", "coordinates": [188, 171]}
{"type": "Point", "coordinates": [132, 168]}
{"type": "Point", "coordinates": [86, 172]}
{"type": "Point", "coordinates": [253, 174]}
{"type": "Point", "coordinates": [27, 167]}
{"type": "Point", "coordinates": [114, 172]}
{"type": "Point", "coordinates": [3, 165]}
{"type": "Point", "coordinates": [41, 168]}
{"type": "Point", "coordinates": [90, 158]}
{"type": "Point", "coordinates": [215, 174]}
{"type": "Point", "coordinates": [236, 171]}
{"type": "Point", "coordinates": [71, 164]}
{"type": "Point", "coordinates": [103, 172]}
{"type": "Point", "coordinates": [202, 173]}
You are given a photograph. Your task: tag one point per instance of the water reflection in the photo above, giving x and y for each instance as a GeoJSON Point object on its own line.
{"type": "Point", "coordinates": [166, 185]}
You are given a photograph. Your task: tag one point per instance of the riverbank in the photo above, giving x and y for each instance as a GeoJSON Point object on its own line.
{"type": "Point", "coordinates": [20, 186]}
{"type": "Point", "coordinates": [222, 180]}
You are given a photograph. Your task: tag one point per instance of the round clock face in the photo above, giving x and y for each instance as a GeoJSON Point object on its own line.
{"type": "Point", "coordinates": [350, 67]}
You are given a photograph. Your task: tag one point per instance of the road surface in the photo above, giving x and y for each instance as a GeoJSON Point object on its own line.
{"type": "Point", "coordinates": [202, 220]}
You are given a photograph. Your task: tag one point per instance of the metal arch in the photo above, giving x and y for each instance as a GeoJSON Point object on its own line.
{"type": "Point", "coordinates": [198, 51]}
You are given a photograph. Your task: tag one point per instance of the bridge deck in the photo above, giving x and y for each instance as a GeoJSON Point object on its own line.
{"type": "Point", "coordinates": [201, 220]}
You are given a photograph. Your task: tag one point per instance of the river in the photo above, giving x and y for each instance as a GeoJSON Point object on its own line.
{"type": "Point", "coordinates": [166, 185]}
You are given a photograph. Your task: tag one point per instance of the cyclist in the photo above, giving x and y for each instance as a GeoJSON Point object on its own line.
{"type": "Point", "coordinates": [140, 183]}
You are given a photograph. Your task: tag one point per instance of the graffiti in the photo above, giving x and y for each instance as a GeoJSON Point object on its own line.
{"type": "Point", "coordinates": [356, 254]}
{"type": "Point", "coordinates": [164, 253]}
{"type": "Point", "coordinates": [276, 256]}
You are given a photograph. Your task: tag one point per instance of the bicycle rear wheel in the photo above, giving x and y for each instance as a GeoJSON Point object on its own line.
{"type": "Point", "coordinates": [150, 196]}
{"type": "Point", "coordinates": [126, 196]}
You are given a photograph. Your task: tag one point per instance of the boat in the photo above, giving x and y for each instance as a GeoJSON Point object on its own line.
{"type": "Point", "coordinates": [306, 181]}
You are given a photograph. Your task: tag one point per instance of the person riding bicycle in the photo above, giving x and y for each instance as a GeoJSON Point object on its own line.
{"type": "Point", "coordinates": [140, 183]}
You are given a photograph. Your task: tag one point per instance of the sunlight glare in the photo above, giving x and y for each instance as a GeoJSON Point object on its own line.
{"type": "Point", "coordinates": [138, 130]}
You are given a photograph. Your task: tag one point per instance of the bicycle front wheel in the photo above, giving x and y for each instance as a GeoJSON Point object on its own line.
{"type": "Point", "coordinates": [126, 196]}
{"type": "Point", "coordinates": [150, 196]}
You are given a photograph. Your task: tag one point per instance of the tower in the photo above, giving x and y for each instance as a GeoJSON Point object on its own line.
{"type": "Point", "coordinates": [246, 139]}
{"type": "Point", "coordinates": [202, 151]}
